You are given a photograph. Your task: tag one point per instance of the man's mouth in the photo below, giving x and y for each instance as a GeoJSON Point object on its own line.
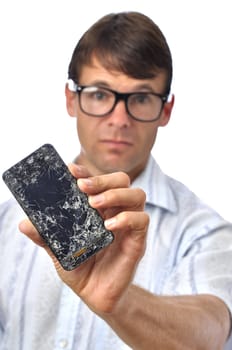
{"type": "Point", "coordinates": [117, 142]}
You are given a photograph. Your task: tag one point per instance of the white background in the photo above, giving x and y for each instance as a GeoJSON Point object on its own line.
{"type": "Point", "coordinates": [37, 39]}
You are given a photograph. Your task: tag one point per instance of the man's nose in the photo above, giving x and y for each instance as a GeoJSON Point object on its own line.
{"type": "Point", "coordinates": [119, 116]}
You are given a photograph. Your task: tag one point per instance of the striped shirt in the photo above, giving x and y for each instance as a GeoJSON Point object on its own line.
{"type": "Point", "coordinates": [189, 251]}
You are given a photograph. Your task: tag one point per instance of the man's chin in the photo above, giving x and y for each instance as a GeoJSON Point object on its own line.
{"type": "Point", "coordinates": [113, 166]}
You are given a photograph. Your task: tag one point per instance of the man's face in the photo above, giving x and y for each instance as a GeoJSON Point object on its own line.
{"type": "Point", "coordinates": [115, 142]}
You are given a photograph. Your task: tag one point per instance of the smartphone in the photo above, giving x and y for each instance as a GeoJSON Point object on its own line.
{"type": "Point", "coordinates": [49, 195]}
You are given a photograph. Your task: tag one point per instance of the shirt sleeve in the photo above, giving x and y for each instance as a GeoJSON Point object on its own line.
{"type": "Point", "coordinates": [203, 262]}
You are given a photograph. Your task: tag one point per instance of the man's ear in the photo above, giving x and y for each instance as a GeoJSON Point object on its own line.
{"type": "Point", "coordinates": [167, 111]}
{"type": "Point", "coordinates": [71, 101]}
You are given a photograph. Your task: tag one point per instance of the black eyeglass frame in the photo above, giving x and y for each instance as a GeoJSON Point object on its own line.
{"type": "Point", "coordinates": [118, 97]}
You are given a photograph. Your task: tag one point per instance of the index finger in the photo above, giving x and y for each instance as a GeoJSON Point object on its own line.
{"type": "Point", "coordinates": [101, 183]}
{"type": "Point", "coordinates": [78, 170]}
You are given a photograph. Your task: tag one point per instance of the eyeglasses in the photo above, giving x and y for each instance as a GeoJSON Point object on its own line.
{"type": "Point", "coordinates": [97, 101]}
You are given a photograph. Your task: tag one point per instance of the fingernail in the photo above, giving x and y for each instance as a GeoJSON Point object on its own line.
{"type": "Point", "coordinates": [98, 199]}
{"type": "Point", "coordinates": [110, 223]}
{"type": "Point", "coordinates": [77, 166]}
{"type": "Point", "coordinates": [86, 182]}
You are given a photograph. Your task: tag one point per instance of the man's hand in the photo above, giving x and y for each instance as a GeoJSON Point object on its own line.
{"type": "Point", "coordinates": [103, 280]}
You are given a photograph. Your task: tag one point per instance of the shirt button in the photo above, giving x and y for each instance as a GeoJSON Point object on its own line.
{"type": "Point", "coordinates": [63, 343]}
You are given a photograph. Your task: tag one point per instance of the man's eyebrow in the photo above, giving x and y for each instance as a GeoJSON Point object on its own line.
{"type": "Point", "coordinates": [143, 86]}
{"type": "Point", "coordinates": [99, 83]}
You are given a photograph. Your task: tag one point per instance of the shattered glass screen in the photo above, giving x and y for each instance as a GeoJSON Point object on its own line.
{"type": "Point", "coordinates": [48, 193]}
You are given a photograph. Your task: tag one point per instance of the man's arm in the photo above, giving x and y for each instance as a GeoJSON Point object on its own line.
{"type": "Point", "coordinates": [145, 321]}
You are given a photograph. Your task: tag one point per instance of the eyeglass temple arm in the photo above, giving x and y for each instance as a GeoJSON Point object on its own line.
{"type": "Point", "coordinates": [72, 86]}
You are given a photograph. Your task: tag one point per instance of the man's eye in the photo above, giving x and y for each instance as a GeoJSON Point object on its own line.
{"type": "Point", "coordinates": [99, 95]}
{"type": "Point", "coordinates": [141, 98]}
{"type": "Point", "coordinates": [94, 93]}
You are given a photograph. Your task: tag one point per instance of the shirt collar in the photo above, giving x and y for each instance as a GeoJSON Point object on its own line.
{"type": "Point", "coordinates": [157, 186]}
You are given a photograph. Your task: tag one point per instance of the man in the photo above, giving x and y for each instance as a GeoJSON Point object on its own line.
{"type": "Point", "coordinates": [169, 289]}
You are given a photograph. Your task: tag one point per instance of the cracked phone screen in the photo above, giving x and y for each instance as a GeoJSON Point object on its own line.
{"type": "Point", "coordinates": [49, 195]}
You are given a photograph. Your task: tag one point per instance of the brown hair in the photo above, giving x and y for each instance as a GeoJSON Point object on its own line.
{"type": "Point", "coordinates": [129, 42]}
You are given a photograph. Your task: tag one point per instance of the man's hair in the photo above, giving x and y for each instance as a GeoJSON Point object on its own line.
{"type": "Point", "coordinates": [128, 42]}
